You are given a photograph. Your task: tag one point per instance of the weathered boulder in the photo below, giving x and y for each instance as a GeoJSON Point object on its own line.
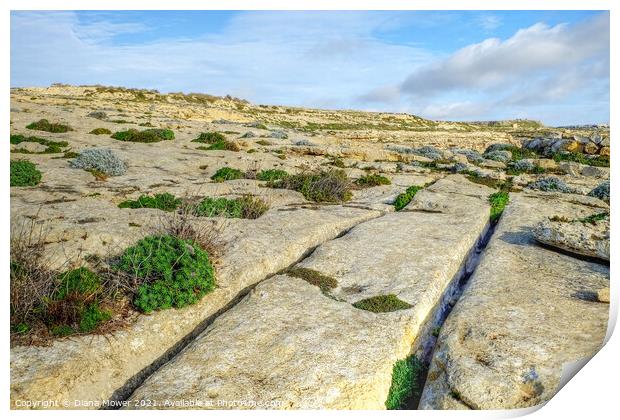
{"type": "Point", "coordinates": [605, 151]}
{"type": "Point", "coordinates": [595, 171]}
{"type": "Point", "coordinates": [524, 314]}
{"type": "Point", "coordinates": [589, 239]}
{"type": "Point", "coordinates": [590, 148]}
{"type": "Point", "coordinates": [29, 147]}
{"type": "Point", "coordinates": [546, 164]}
{"type": "Point", "coordinates": [570, 168]}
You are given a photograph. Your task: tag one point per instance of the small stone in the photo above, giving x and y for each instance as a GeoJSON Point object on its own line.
{"type": "Point", "coordinates": [604, 151]}
{"type": "Point", "coordinates": [590, 148]}
{"type": "Point", "coordinates": [546, 164]}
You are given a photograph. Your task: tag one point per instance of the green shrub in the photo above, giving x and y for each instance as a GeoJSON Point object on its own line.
{"type": "Point", "coordinates": [99, 131]}
{"type": "Point", "coordinates": [92, 317]}
{"type": "Point", "coordinates": [151, 135]}
{"type": "Point", "coordinates": [325, 283]}
{"type": "Point", "coordinates": [593, 218]}
{"type": "Point", "coordinates": [581, 158]}
{"type": "Point", "coordinates": [498, 201]}
{"type": "Point", "coordinates": [372, 180]}
{"type": "Point", "coordinates": [80, 281]}
{"type": "Point", "coordinates": [383, 303]}
{"type": "Point", "coordinates": [24, 174]}
{"type": "Point", "coordinates": [221, 145]}
{"type": "Point", "coordinates": [271, 175]}
{"type": "Point", "coordinates": [405, 198]}
{"type": "Point", "coordinates": [245, 207]}
{"type": "Point", "coordinates": [163, 201]}
{"type": "Point", "coordinates": [324, 186]}
{"type": "Point", "coordinates": [45, 125]}
{"type": "Point", "coordinates": [174, 272]}
{"type": "Point", "coordinates": [61, 330]}
{"type": "Point", "coordinates": [227, 174]}
{"type": "Point", "coordinates": [52, 146]}
{"type": "Point", "coordinates": [210, 137]}
{"type": "Point", "coordinates": [406, 378]}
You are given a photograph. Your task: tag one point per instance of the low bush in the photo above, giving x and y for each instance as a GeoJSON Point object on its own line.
{"type": "Point", "coordinates": [581, 158]}
{"type": "Point", "coordinates": [151, 135]}
{"type": "Point", "coordinates": [383, 303]}
{"type": "Point", "coordinates": [226, 174]}
{"type": "Point", "coordinates": [372, 180]}
{"type": "Point", "coordinates": [172, 272]}
{"type": "Point", "coordinates": [45, 125]}
{"type": "Point", "coordinates": [323, 186]}
{"type": "Point", "coordinates": [104, 161]}
{"type": "Point", "coordinates": [271, 175]}
{"type": "Point", "coordinates": [210, 137]}
{"type": "Point", "coordinates": [163, 201]}
{"type": "Point", "coordinates": [406, 383]}
{"type": "Point", "coordinates": [100, 131]}
{"type": "Point", "coordinates": [245, 207]}
{"type": "Point", "coordinates": [405, 198]}
{"type": "Point", "coordinates": [551, 184]}
{"type": "Point", "coordinates": [498, 202]}
{"type": "Point", "coordinates": [325, 283]}
{"type": "Point", "coordinates": [221, 145]}
{"type": "Point", "coordinates": [593, 218]}
{"type": "Point", "coordinates": [51, 146]}
{"type": "Point", "coordinates": [24, 174]}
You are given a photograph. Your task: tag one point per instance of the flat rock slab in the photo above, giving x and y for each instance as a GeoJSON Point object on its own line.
{"type": "Point", "coordinates": [526, 311]}
{"type": "Point", "coordinates": [288, 345]}
{"type": "Point", "coordinates": [93, 368]}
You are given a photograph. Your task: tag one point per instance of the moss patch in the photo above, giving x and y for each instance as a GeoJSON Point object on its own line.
{"type": "Point", "coordinates": [24, 174]}
{"type": "Point", "coordinates": [406, 379]}
{"type": "Point", "coordinates": [227, 174]}
{"type": "Point", "coordinates": [325, 283]}
{"type": "Point", "coordinates": [383, 303]}
{"type": "Point", "coordinates": [372, 180]}
{"type": "Point", "coordinates": [100, 131]}
{"type": "Point", "coordinates": [152, 135]}
{"type": "Point", "coordinates": [163, 201]}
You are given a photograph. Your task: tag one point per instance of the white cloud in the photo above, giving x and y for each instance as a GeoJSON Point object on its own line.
{"type": "Point", "coordinates": [539, 66]}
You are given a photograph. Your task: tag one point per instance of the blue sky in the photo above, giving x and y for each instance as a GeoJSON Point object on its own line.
{"type": "Point", "coordinates": [460, 65]}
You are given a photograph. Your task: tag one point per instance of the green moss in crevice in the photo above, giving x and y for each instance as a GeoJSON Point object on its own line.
{"type": "Point", "coordinates": [325, 283]}
{"type": "Point", "coordinates": [382, 303]}
{"type": "Point", "coordinates": [498, 202]}
{"type": "Point", "coordinates": [406, 381]}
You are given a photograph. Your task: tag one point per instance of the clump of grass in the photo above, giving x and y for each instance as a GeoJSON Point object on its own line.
{"type": "Point", "coordinates": [383, 303]}
{"type": "Point", "coordinates": [163, 201]}
{"type": "Point", "coordinates": [100, 131]}
{"type": "Point", "coordinates": [406, 379]}
{"type": "Point", "coordinates": [271, 175]}
{"type": "Point", "coordinates": [24, 174]}
{"type": "Point", "coordinates": [581, 158]}
{"type": "Point", "coordinates": [209, 137]}
{"type": "Point", "coordinates": [372, 180]}
{"type": "Point", "coordinates": [151, 135]}
{"type": "Point", "coordinates": [498, 202]}
{"type": "Point", "coordinates": [172, 272]}
{"type": "Point", "coordinates": [323, 186]}
{"type": "Point", "coordinates": [45, 125]}
{"type": "Point", "coordinates": [403, 199]}
{"type": "Point", "coordinates": [245, 207]}
{"type": "Point", "coordinates": [226, 174]}
{"type": "Point", "coordinates": [221, 145]}
{"type": "Point", "coordinates": [51, 146]}
{"type": "Point", "coordinates": [325, 283]}
{"type": "Point", "coordinates": [593, 218]}
{"type": "Point", "coordinates": [263, 142]}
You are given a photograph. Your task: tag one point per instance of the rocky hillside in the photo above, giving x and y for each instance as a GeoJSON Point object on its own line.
{"type": "Point", "coordinates": [163, 245]}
